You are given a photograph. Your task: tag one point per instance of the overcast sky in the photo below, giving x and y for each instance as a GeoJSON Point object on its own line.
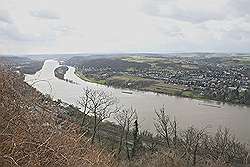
{"type": "Point", "coordinates": [103, 26]}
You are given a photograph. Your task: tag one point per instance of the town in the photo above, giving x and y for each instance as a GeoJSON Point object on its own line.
{"type": "Point", "coordinates": [224, 79]}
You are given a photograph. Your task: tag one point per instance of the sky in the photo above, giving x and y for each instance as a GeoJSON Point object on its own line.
{"type": "Point", "coordinates": [120, 26]}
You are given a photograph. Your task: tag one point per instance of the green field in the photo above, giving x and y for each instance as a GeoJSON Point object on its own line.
{"type": "Point", "coordinates": [161, 87]}
{"type": "Point", "coordinates": [143, 59]}
{"type": "Point", "coordinates": [245, 60]}
{"type": "Point", "coordinates": [127, 78]}
{"type": "Point", "coordinates": [187, 94]}
{"type": "Point", "coordinates": [88, 79]}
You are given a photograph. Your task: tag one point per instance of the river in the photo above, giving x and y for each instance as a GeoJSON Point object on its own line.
{"type": "Point", "coordinates": [187, 111]}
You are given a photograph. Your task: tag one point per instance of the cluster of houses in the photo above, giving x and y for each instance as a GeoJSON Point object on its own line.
{"type": "Point", "coordinates": [204, 77]}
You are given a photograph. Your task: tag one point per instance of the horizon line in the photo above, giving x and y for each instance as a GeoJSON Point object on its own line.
{"type": "Point", "coordinates": [121, 53]}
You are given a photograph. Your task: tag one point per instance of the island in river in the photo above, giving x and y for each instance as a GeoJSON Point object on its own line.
{"type": "Point", "coordinates": [186, 111]}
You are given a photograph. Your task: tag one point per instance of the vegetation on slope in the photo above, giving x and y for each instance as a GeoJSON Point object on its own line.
{"type": "Point", "coordinates": [36, 131]}
{"type": "Point", "coordinates": [33, 131]}
{"type": "Point", "coordinates": [189, 147]}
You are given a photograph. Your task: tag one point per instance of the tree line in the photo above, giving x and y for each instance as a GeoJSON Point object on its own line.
{"type": "Point", "coordinates": [193, 145]}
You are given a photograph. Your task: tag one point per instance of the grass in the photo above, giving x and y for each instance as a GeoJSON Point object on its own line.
{"type": "Point", "coordinates": [142, 59]}
{"type": "Point", "coordinates": [131, 69]}
{"type": "Point", "coordinates": [187, 94]}
{"type": "Point", "coordinates": [191, 67]}
{"type": "Point", "coordinates": [244, 60]}
{"type": "Point", "coordinates": [81, 76]}
{"type": "Point", "coordinates": [161, 87]}
{"type": "Point", "coordinates": [35, 132]}
{"type": "Point", "coordinates": [93, 80]}
{"type": "Point", "coordinates": [127, 78]}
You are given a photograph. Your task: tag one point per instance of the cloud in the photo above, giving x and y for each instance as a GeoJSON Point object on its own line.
{"type": "Point", "coordinates": [240, 7]}
{"type": "Point", "coordinates": [12, 33]}
{"type": "Point", "coordinates": [197, 11]}
{"type": "Point", "coordinates": [44, 14]}
{"type": "Point", "coordinates": [43, 26]}
{"type": "Point", "coordinates": [5, 17]}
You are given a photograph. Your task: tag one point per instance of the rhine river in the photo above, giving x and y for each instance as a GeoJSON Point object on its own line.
{"type": "Point", "coordinates": [188, 112]}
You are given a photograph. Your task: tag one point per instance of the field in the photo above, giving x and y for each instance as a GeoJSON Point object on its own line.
{"type": "Point", "coordinates": [193, 77]}
{"type": "Point", "coordinates": [88, 79]}
{"type": "Point", "coordinates": [160, 87]}
{"type": "Point", "coordinates": [244, 60]}
{"type": "Point", "coordinates": [143, 59]}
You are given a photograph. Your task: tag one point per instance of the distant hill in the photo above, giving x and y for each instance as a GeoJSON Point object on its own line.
{"type": "Point", "coordinates": [22, 64]}
{"type": "Point", "coordinates": [66, 56]}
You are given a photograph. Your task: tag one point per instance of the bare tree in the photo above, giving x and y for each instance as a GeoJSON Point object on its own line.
{"type": "Point", "coordinates": [125, 118]}
{"type": "Point", "coordinates": [101, 105]}
{"type": "Point", "coordinates": [84, 102]}
{"type": "Point", "coordinates": [227, 148]}
{"type": "Point", "coordinates": [163, 125]}
{"type": "Point", "coordinates": [192, 141]}
{"type": "Point", "coordinates": [198, 145]}
{"type": "Point", "coordinates": [151, 140]}
{"type": "Point", "coordinates": [31, 135]}
{"type": "Point", "coordinates": [135, 137]}
{"type": "Point", "coordinates": [174, 131]}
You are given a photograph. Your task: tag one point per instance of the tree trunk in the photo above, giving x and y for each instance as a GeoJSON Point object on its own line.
{"type": "Point", "coordinates": [167, 138]}
{"type": "Point", "coordinates": [135, 135]}
{"type": "Point", "coordinates": [93, 136]}
{"type": "Point", "coordinates": [127, 148]}
{"type": "Point", "coordinates": [94, 130]}
{"type": "Point", "coordinates": [175, 133]}
{"type": "Point", "coordinates": [83, 119]}
{"type": "Point", "coordinates": [120, 144]}
{"type": "Point", "coordinates": [195, 153]}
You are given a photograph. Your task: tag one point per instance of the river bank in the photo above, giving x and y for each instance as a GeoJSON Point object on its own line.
{"type": "Point", "coordinates": [147, 85]}
{"type": "Point", "coordinates": [60, 125]}
{"type": "Point", "coordinates": [186, 110]}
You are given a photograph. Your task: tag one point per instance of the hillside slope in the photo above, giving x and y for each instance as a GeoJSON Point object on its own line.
{"type": "Point", "coordinates": [33, 132]}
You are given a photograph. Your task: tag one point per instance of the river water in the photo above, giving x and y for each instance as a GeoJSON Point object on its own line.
{"type": "Point", "coordinates": [187, 111]}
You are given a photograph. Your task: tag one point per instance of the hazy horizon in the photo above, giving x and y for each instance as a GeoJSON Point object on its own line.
{"type": "Point", "coordinates": [127, 53]}
{"type": "Point", "coordinates": [121, 53]}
